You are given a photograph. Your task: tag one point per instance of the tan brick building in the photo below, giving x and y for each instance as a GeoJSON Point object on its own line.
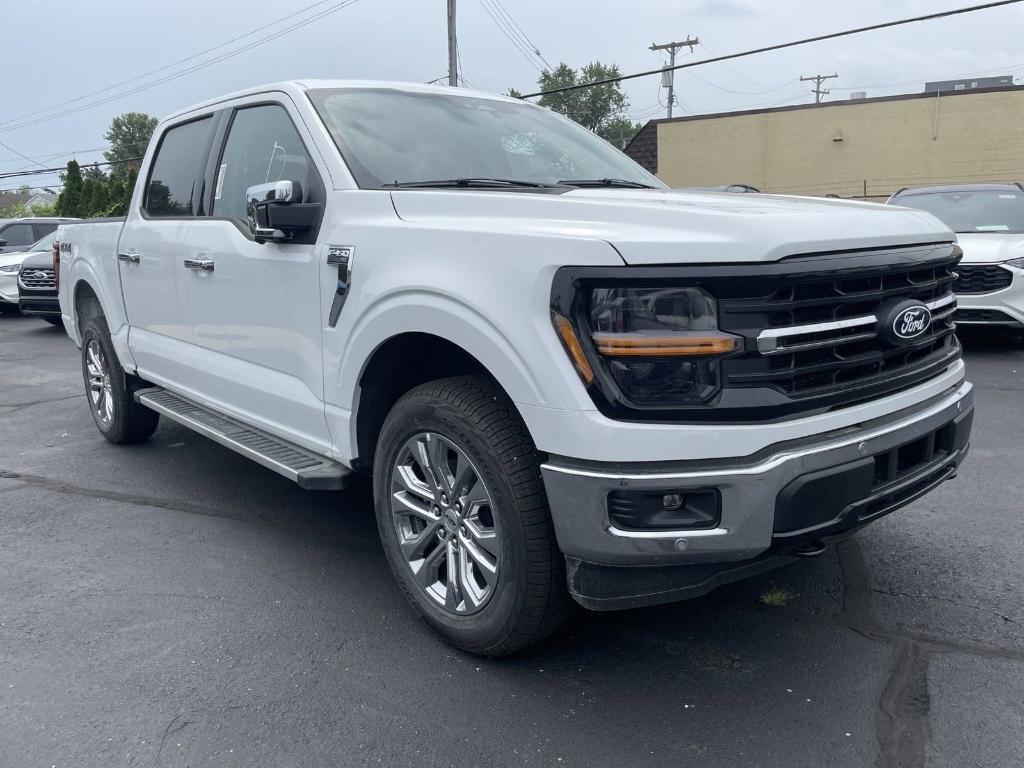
{"type": "Point", "coordinates": [857, 148]}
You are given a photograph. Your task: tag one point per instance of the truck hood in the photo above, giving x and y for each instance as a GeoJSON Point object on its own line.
{"type": "Point", "coordinates": [990, 247]}
{"type": "Point", "coordinates": [672, 226]}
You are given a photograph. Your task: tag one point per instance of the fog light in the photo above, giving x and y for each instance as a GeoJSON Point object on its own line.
{"type": "Point", "coordinates": [657, 510]}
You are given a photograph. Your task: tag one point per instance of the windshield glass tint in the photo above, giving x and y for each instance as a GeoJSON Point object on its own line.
{"type": "Point", "coordinates": [972, 211]}
{"type": "Point", "coordinates": [389, 136]}
{"type": "Point", "coordinates": [45, 243]}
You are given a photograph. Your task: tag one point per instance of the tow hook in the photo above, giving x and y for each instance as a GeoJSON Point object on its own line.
{"type": "Point", "coordinates": [810, 549]}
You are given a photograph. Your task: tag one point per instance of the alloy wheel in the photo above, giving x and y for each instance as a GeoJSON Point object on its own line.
{"type": "Point", "coordinates": [101, 393]}
{"type": "Point", "coordinates": [445, 523]}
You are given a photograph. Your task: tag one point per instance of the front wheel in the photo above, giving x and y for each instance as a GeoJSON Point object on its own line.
{"type": "Point", "coordinates": [109, 389]}
{"type": "Point", "coordinates": [464, 520]}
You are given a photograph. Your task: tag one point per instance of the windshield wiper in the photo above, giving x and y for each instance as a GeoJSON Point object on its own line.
{"type": "Point", "coordinates": [605, 183]}
{"type": "Point", "coordinates": [480, 182]}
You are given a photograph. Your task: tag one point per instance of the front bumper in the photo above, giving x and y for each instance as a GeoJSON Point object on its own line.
{"type": "Point", "coordinates": [1004, 307]}
{"type": "Point", "coordinates": [8, 288]}
{"type": "Point", "coordinates": [772, 503]}
{"type": "Point", "coordinates": [39, 306]}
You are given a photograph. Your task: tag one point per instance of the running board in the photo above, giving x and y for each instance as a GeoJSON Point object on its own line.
{"type": "Point", "coordinates": [304, 467]}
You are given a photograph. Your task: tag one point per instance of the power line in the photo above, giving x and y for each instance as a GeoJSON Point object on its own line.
{"type": "Point", "coordinates": [165, 66]}
{"type": "Point", "coordinates": [45, 171]}
{"type": "Point", "coordinates": [522, 34]}
{"type": "Point", "coordinates": [16, 152]}
{"type": "Point", "coordinates": [525, 51]}
{"type": "Point", "coordinates": [780, 46]}
{"type": "Point", "coordinates": [174, 76]}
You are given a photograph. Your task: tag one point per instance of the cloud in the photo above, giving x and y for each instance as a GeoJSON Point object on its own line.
{"type": "Point", "coordinates": [729, 8]}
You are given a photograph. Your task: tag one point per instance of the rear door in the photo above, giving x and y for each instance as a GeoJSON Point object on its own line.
{"type": "Point", "coordinates": [255, 307]}
{"type": "Point", "coordinates": [151, 251]}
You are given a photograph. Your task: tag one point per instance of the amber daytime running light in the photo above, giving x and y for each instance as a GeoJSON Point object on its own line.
{"type": "Point", "coordinates": [572, 346]}
{"type": "Point", "coordinates": [681, 344]}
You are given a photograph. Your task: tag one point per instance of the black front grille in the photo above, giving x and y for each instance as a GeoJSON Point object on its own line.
{"type": "Point", "coordinates": [37, 279]}
{"type": "Point", "coordinates": [993, 316]}
{"type": "Point", "coordinates": [849, 355]}
{"type": "Point", "coordinates": [981, 278]}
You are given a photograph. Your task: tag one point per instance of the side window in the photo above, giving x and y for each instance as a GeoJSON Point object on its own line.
{"type": "Point", "coordinates": [176, 178]}
{"type": "Point", "coordinates": [18, 234]}
{"type": "Point", "coordinates": [262, 146]}
{"type": "Point", "coordinates": [42, 230]}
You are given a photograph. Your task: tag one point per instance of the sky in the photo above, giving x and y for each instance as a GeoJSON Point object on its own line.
{"type": "Point", "coordinates": [58, 52]}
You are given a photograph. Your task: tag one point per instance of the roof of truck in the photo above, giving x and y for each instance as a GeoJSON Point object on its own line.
{"type": "Point", "coordinates": [296, 87]}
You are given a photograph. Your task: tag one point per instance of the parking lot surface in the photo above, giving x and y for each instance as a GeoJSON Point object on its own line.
{"type": "Point", "coordinates": [174, 604]}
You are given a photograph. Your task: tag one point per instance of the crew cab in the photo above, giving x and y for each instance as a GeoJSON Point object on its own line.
{"type": "Point", "coordinates": [564, 379]}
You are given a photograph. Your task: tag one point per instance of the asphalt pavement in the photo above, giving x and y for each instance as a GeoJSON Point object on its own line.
{"type": "Point", "coordinates": [174, 604]}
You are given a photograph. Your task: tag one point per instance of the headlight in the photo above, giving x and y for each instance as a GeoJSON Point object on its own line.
{"type": "Point", "coordinates": [1018, 263]}
{"type": "Point", "coordinates": [659, 345]}
{"type": "Point", "coordinates": [10, 268]}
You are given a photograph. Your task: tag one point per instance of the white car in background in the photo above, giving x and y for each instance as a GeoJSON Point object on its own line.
{"type": "Point", "coordinates": [989, 222]}
{"type": "Point", "coordinates": [10, 264]}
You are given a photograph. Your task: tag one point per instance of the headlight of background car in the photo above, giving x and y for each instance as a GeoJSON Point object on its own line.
{"type": "Point", "coordinates": [10, 268]}
{"type": "Point", "coordinates": [1018, 263]}
{"type": "Point", "coordinates": [660, 345]}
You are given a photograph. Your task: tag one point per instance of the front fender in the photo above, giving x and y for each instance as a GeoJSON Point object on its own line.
{"type": "Point", "coordinates": [526, 359]}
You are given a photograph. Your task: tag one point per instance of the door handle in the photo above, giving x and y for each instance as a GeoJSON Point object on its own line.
{"type": "Point", "coordinates": [129, 258]}
{"type": "Point", "coordinates": [201, 265]}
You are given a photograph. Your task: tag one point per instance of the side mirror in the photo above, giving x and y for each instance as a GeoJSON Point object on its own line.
{"type": "Point", "coordinates": [276, 212]}
{"type": "Point", "coordinates": [2, 242]}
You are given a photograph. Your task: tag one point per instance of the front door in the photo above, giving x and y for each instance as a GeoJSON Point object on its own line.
{"type": "Point", "coordinates": [255, 307]}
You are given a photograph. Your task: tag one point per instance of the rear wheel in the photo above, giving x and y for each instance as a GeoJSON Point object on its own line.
{"type": "Point", "coordinates": [109, 390]}
{"type": "Point", "coordinates": [464, 520]}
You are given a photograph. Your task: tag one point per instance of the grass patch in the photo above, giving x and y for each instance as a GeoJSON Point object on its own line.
{"type": "Point", "coordinates": [775, 597]}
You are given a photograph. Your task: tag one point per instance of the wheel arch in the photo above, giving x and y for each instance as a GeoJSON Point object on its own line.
{"type": "Point", "coordinates": [398, 364]}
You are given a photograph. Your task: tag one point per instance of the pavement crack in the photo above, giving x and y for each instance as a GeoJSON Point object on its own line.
{"type": "Point", "coordinates": [70, 489]}
{"type": "Point", "coordinates": [15, 407]}
{"type": "Point", "coordinates": [902, 721]}
{"type": "Point", "coordinates": [951, 601]}
{"type": "Point", "coordinates": [171, 728]}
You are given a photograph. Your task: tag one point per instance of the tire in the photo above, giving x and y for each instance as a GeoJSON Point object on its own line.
{"type": "Point", "coordinates": [468, 426]}
{"type": "Point", "coordinates": [109, 390]}
{"type": "Point", "coordinates": [6, 308]}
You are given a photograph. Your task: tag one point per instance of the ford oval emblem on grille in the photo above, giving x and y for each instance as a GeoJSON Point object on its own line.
{"type": "Point", "coordinates": [38, 276]}
{"type": "Point", "coordinates": [901, 322]}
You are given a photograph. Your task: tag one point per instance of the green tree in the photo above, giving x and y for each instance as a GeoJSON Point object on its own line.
{"type": "Point", "coordinates": [128, 136]}
{"type": "Point", "coordinates": [600, 108]}
{"type": "Point", "coordinates": [70, 200]}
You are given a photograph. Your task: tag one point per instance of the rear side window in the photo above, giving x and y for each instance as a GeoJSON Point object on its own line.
{"type": "Point", "coordinates": [176, 178]}
{"type": "Point", "coordinates": [262, 146]}
{"type": "Point", "coordinates": [42, 230]}
{"type": "Point", "coordinates": [18, 234]}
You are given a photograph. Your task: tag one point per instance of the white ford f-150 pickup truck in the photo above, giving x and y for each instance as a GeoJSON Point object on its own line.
{"type": "Point", "coordinates": [564, 378]}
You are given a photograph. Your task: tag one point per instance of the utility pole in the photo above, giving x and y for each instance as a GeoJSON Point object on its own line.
{"type": "Point", "coordinates": [453, 47]}
{"type": "Point", "coordinates": [817, 90]}
{"type": "Point", "coordinates": [668, 75]}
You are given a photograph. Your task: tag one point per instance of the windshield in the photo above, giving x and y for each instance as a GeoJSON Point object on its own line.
{"type": "Point", "coordinates": [44, 244]}
{"type": "Point", "coordinates": [983, 210]}
{"type": "Point", "coordinates": [389, 136]}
